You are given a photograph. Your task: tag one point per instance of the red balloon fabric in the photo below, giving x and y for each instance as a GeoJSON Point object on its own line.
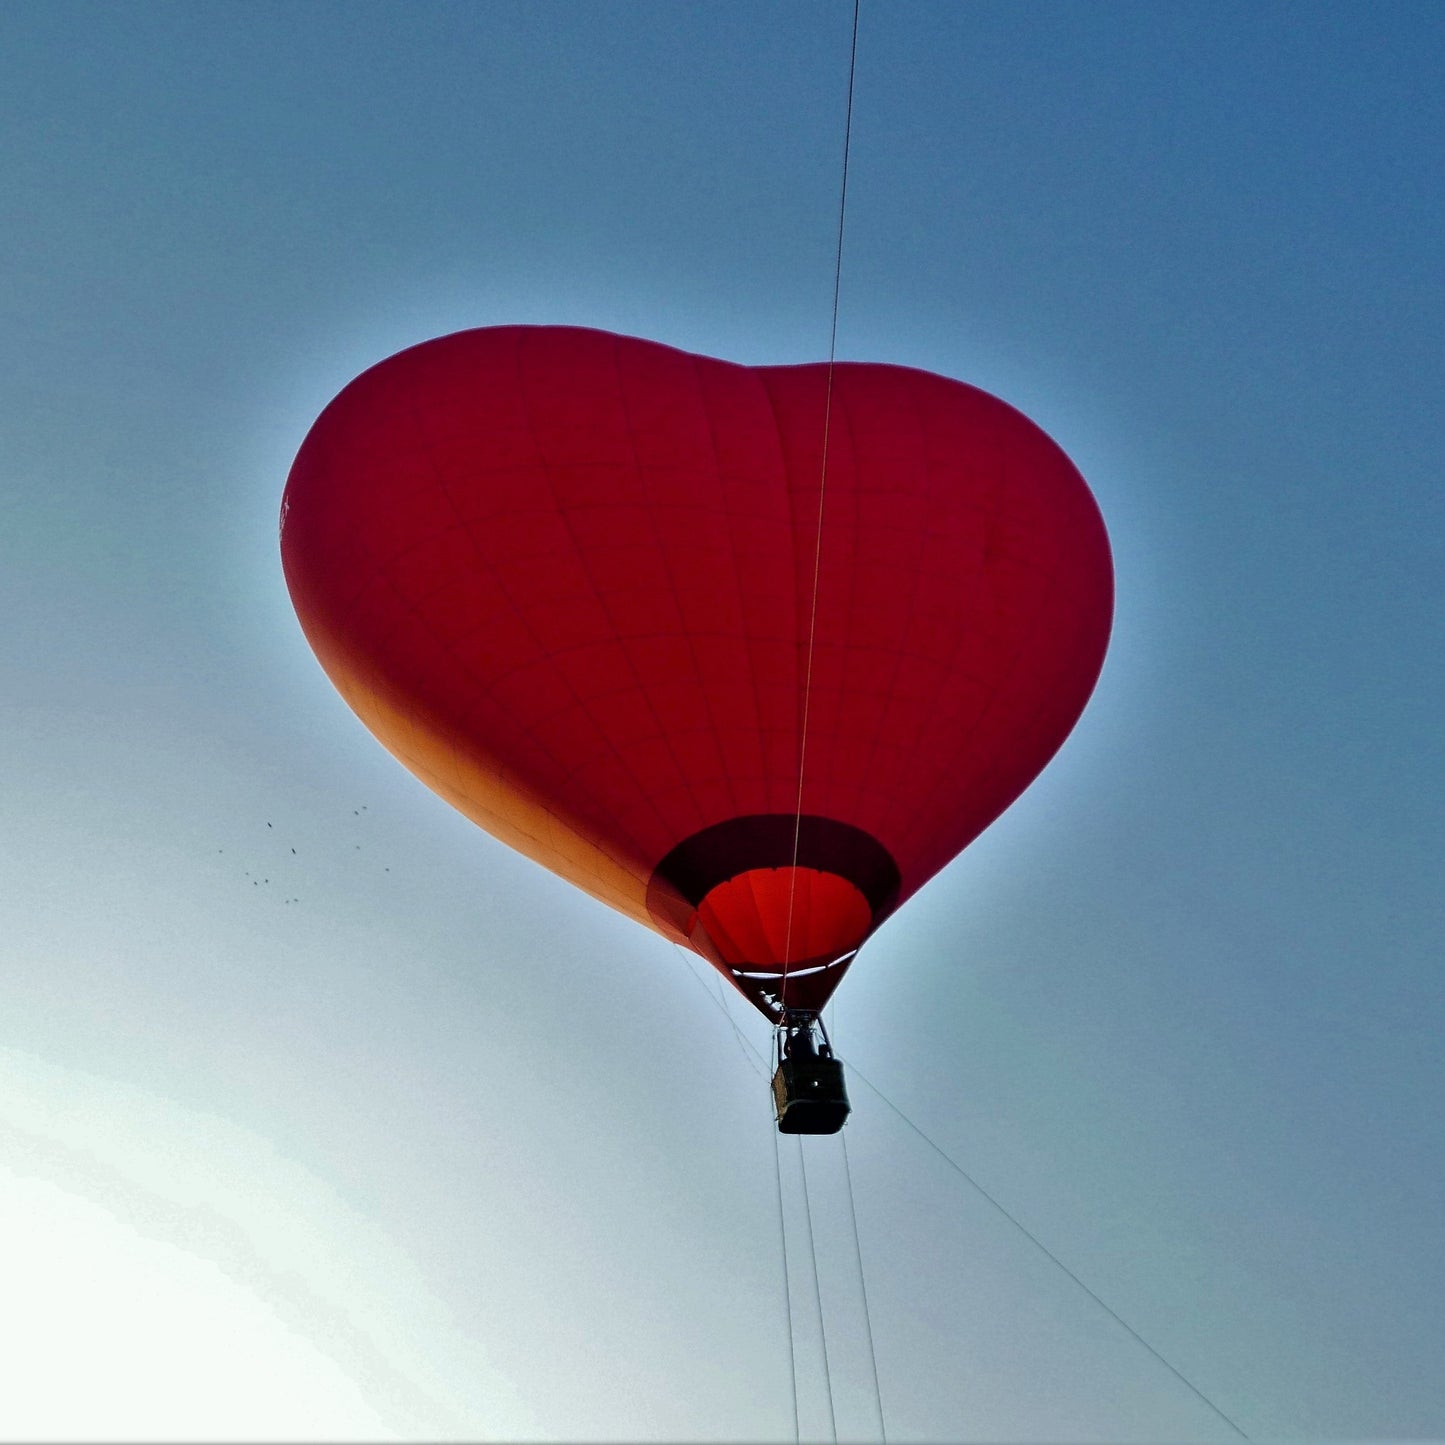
{"type": "Point", "coordinates": [574, 581]}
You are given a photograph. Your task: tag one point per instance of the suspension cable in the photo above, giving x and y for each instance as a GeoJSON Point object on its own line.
{"type": "Point", "coordinates": [751, 1053]}
{"type": "Point", "coordinates": [863, 1288]}
{"type": "Point", "coordinates": [753, 1057]}
{"type": "Point", "coordinates": [787, 1286]}
{"type": "Point", "coordinates": [822, 493]}
{"type": "Point", "coordinates": [798, 820]}
{"type": "Point", "coordinates": [817, 1290]}
{"type": "Point", "coordinates": [1049, 1254]}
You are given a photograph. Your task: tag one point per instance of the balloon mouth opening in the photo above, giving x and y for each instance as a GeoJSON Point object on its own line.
{"type": "Point", "coordinates": [778, 903]}
{"type": "Point", "coordinates": [773, 920]}
{"type": "Point", "coordinates": [786, 934]}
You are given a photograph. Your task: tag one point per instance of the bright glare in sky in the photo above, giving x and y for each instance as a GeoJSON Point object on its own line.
{"type": "Point", "coordinates": [180, 1279]}
{"type": "Point", "coordinates": [109, 1335]}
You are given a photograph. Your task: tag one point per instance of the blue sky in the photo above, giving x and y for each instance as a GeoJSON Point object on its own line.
{"type": "Point", "coordinates": [443, 1150]}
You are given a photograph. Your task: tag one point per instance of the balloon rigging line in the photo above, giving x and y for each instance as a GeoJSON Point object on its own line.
{"type": "Point", "coordinates": [756, 1062]}
{"type": "Point", "coordinates": [754, 1059]}
{"type": "Point", "coordinates": [817, 1289]}
{"type": "Point", "coordinates": [863, 1287]}
{"type": "Point", "coordinates": [1048, 1253]}
{"type": "Point", "coordinates": [787, 1286]}
{"type": "Point", "coordinates": [822, 493]}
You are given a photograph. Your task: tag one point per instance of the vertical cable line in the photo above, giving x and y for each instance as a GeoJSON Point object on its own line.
{"type": "Point", "coordinates": [802, 763]}
{"type": "Point", "coordinates": [822, 492]}
{"type": "Point", "coordinates": [863, 1287]}
{"type": "Point", "coordinates": [787, 1286]}
{"type": "Point", "coordinates": [757, 1063]}
{"type": "Point", "coordinates": [817, 1289]}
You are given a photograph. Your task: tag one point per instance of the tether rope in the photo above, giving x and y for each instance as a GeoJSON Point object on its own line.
{"type": "Point", "coordinates": [787, 1286]}
{"type": "Point", "coordinates": [863, 1288]}
{"type": "Point", "coordinates": [822, 493]}
{"type": "Point", "coordinates": [1049, 1254]}
{"type": "Point", "coordinates": [755, 1060]}
{"type": "Point", "coordinates": [751, 1053]}
{"type": "Point", "coordinates": [817, 1289]}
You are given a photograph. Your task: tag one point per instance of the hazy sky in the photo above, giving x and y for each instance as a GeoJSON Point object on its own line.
{"type": "Point", "coordinates": [443, 1149]}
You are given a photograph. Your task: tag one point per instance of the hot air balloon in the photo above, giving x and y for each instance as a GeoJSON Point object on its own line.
{"type": "Point", "coordinates": [747, 653]}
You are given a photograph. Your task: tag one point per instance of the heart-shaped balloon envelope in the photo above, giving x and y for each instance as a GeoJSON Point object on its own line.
{"type": "Point", "coordinates": [575, 582]}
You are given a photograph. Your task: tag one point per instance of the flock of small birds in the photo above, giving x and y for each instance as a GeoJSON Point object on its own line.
{"type": "Point", "coordinates": [260, 880]}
